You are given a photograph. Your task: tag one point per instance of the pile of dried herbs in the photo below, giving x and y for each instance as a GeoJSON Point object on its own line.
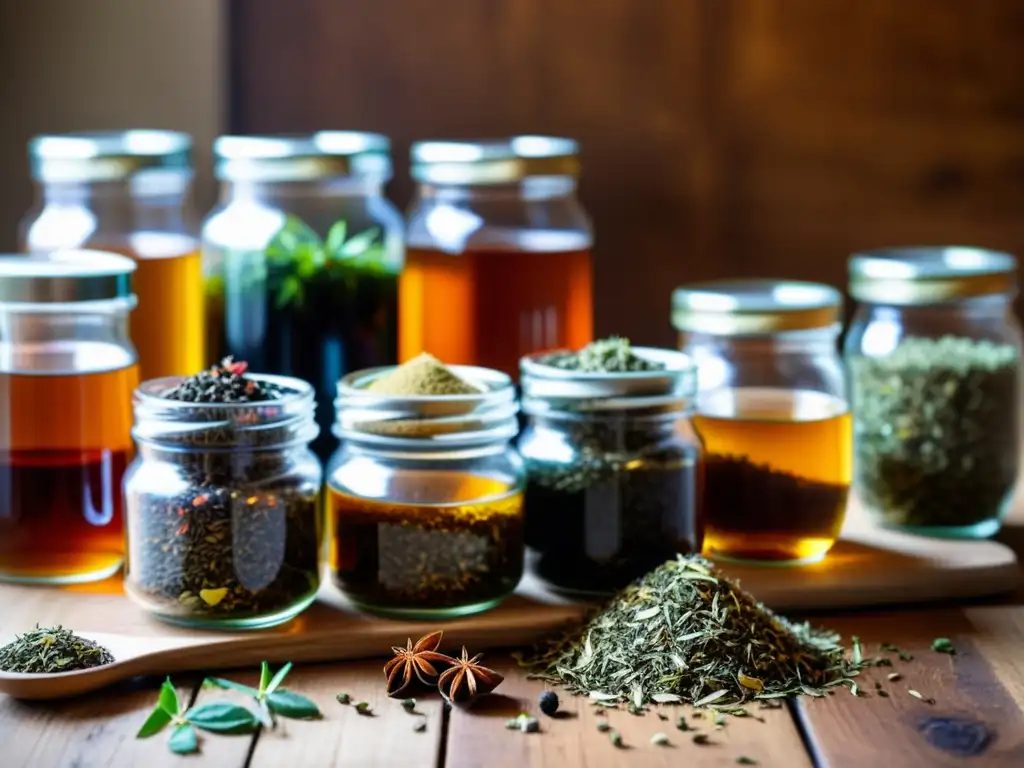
{"type": "Point", "coordinates": [611, 355]}
{"type": "Point", "coordinates": [684, 633]}
{"type": "Point", "coordinates": [49, 650]}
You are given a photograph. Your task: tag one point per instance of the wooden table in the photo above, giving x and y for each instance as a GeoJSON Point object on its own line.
{"type": "Point", "coordinates": [977, 717]}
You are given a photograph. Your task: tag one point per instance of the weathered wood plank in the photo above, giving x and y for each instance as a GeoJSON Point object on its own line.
{"type": "Point", "coordinates": [999, 636]}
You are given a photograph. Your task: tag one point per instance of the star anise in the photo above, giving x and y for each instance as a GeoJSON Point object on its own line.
{"type": "Point", "coordinates": [421, 660]}
{"type": "Point", "coordinates": [462, 682]}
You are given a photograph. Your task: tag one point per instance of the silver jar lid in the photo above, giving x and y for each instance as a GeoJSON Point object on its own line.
{"type": "Point", "coordinates": [494, 161]}
{"type": "Point", "coordinates": [754, 306]}
{"type": "Point", "coordinates": [65, 276]}
{"type": "Point", "coordinates": [108, 155]}
{"type": "Point", "coordinates": [930, 274]}
{"type": "Point", "coordinates": [319, 155]}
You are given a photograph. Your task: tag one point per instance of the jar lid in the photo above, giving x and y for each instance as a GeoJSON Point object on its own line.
{"type": "Point", "coordinates": [546, 387]}
{"type": "Point", "coordinates": [324, 154]}
{"type": "Point", "coordinates": [754, 306]}
{"type": "Point", "coordinates": [493, 161]}
{"type": "Point", "coordinates": [108, 155]}
{"type": "Point", "coordinates": [64, 276]}
{"type": "Point", "coordinates": [930, 274]}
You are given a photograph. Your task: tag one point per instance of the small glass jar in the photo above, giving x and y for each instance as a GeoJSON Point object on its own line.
{"type": "Point", "coordinates": [301, 259]}
{"type": "Point", "coordinates": [773, 415]}
{"type": "Point", "coordinates": [67, 371]}
{"type": "Point", "coordinates": [934, 355]}
{"type": "Point", "coordinates": [222, 503]}
{"type": "Point", "coordinates": [425, 498]}
{"type": "Point", "coordinates": [129, 192]}
{"type": "Point", "coordinates": [613, 471]}
{"type": "Point", "coordinates": [499, 261]}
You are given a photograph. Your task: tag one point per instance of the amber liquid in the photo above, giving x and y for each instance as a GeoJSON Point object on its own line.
{"type": "Point", "coordinates": [64, 445]}
{"type": "Point", "coordinates": [442, 544]}
{"type": "Point", "coordinates": [491, 307]}
{"type": "Point", "coordinates": [778, 466]}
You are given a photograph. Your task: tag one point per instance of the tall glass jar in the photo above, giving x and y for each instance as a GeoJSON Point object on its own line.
{"type": "Point", "coordinates": [425, 498]}
{"type": "Point", "coordinates": [934, 354]}
{"type": "Point", "coordinates": [67, 371]}
{"type": "Point", "coordinates": [499, 261]}
{"type": "Point", "coordinates": [772, 413]}
{"type": "Point", "coordinates": [613, 471]}
{"type": "Point", "coordinates": [301, 259]}
{"type": "Point", "coordinates": [223, 507]}
{"type": "Point", "coordinates": [129, 192]}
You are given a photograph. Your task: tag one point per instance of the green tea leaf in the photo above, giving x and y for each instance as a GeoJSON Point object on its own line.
{"type": "Point", "coordinates": [294, 705]}
{"type": "Point", "coordinates": [264, 676]}
{"type": "Point", "coordinates": [336, 237]}
{"type": "Point", "coordinates": [156, 722]}
{"type": "Point", "coordinates": [183, 740]}
{"type": "Point", "coordinates": [222, 717]}
{"type": "Point", "coordinates": [279, 678]}
{"type": "Point", "coordinates": [220, 682]}
{"type": "Point", "coordinates": [358, 244]}
{"type": "Point", "coordinates": [168, 699]}
{"type": "Point", "coordinates": [943, 645]}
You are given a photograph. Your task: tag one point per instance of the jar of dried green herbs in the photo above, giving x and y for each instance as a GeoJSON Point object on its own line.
{"type": "Point", "coordinates": [425, 495]}
{"type": "Point", "coordinates": [223, 502]}
{"type": "Point", "coordinates": [612, 463]}
{"type": "Point", "coordinates": [934, 360]}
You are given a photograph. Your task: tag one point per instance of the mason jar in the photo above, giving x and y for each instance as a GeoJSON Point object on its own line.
{"type": "Point", "coordinates": [773, 415]}
{"type": "Point", "coordinates": [613, 471]}
{"type": "Point", "coordinates": [222, 507]}
{"type": "Point", "coordinates": [301, 259]}
{"type": "Point", "coordinates": [128, 192]}
{"type": "Point", "coordinates": [934, 361]}
{"type": "Point", "coordinates": [67, 371]}
{"type": "Point", "coordinates": [499, 262]}
{"type": "Point", "coordinates": [425, 498]}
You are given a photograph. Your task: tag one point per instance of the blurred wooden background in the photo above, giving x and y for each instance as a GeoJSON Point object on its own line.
{"type": "Point", "coordinates": [720, 137]}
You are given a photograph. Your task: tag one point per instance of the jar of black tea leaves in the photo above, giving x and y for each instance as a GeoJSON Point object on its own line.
{"type": "Point", "coordinates": [425, 496]}
{"type": "Point", "coordinates": [222, 499]}
{"type": "Point", "coordinates": [613, 468]}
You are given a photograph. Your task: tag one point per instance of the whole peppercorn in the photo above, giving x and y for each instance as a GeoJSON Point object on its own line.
{"type": "Point", "coordinates": [548, 703]}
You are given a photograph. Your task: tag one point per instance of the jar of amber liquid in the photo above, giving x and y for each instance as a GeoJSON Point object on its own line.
{"type": "Point", "coordinates": [128, 192]}
{"type": "Point", "coordinates": [67, 371]}
{"type": "Point", "coordinates": [425, 498]}
{"type": "Point", "coordinates": [498, 260]}
{"type": "Point", "coordinates": [773, 415]}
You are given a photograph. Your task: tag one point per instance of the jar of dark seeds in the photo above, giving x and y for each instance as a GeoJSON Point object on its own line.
{"type": "Point", "coordinates": [612, 470]}
{"type": "Point", "coordinates": [934, 360]}
{"type": "Point", "coordinates": [222, 501]}
{"type": "Point", "coordinates": [425, 497]}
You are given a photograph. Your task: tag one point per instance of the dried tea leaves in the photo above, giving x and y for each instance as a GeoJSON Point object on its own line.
{"type": "Point", "coordinates": [55, 649]}
{"type": "Point", "coordinates": [423, 375]}
{"type": "Point", "coordinates": [611, 355]}
{"type": "Point", "coordinates": [225, 383]}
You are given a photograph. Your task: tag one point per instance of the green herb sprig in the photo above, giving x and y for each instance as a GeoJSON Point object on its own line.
{"type": "Point", "coordinates": [270, 698]}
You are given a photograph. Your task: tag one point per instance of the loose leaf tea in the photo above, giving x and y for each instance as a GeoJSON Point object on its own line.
{"type": "Point", "coordinates": [611, 355]}
{"type": "Point", "coordinates": [55, 649]}
{"type": "Point", "coordinates": [708, 642]}
{"type": "Point", "coordinates": [936, 436]}
{"type": "Point", "coordinates": [224, 383]}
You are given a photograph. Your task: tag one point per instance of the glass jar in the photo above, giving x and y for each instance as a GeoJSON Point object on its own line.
{"type": "Point", "coordinates": [222, 502]}
{"type": "Point", "coordinates": [613, 471]}
{"type": "Point", "coordinates": [934, 360]}
{"type": "Point", "coordinates": [425, 497]}
{"type": "Point", "coordinates": [67, 371]}
{"type": "Point", "coordinates": [128, 192]}
{"type": "Point", "coordinates": [499, 261]}
{"type": "Point", "coordinates": [301, 259]}
{"type": "Point", "coordinates": [773, 415]}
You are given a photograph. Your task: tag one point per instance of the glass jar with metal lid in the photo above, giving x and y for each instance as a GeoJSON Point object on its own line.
{"type": "Point", "coordinates": [301, 259]}
{"type": "Point", "coordinates": [934, 358]}
{"type": "Point", "coordinates": [425, 497]}
{"type": "Point", "coordinates": [67, 371]}
{"type": "Point", "coordinates": [613, 470]}
{"type": "Point", "coordinates": [773, 414]}
{"type": "Point", "coordinates": [129, 192]}
{"type": "Point", "coordinates": [499, 261]}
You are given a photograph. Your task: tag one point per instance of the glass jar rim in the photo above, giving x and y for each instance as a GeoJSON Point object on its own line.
{"type": "Point", "coordinates": [84, 156]}
{"type": "Point", "coordinates": [63, 277]}
{"type": "Point", "coordinates": [493, 161]}
{"type": "Point", "coordinates": [754, 306]}
{"type": "Point", "coordinates": [302, 157]}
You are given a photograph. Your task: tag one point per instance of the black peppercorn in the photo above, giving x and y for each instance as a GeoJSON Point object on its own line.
{"type": "Point", "coordinates": [548, 703]}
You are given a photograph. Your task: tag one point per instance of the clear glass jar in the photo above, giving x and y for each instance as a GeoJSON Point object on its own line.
{"type": "Point", "coordinates": [934, 356]}
{"type": "Point", "coordinates": [129, 192]}
{"type": "Point", "coordinates": [222, 502]}
{"type": "Point", "coordinates": [773, 414]}
{"type": "Point", "coordinates": [425, 498]}
{"type": "Point", "coordinates": [613, 471]}
{"type": "Point", "coordinates": [499, 262]}
{"type": "Point", "coordinates": [67, 371]}
{"type": "Point", "coordinates": [301, 259]}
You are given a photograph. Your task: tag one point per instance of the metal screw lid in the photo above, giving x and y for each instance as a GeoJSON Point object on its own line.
{"type": "Point", "coordinates": [108, 155]}
{"type": "Point", "coordinates": [64, 277]}
{"type": "Point", "coordinates": [319, 155]}
{"type": "Point", "coordinates": [754, 306]}
{"type": "Point", "coordinates": [495, 161]}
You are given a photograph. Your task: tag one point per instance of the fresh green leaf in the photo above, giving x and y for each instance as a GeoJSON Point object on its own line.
{"type": "Point", "coordinates": [943, 645]}
{"type": "Point", "coordinates": [156, 722]}
{"type": "Point", "coordinates": [183, 740]}
{"type": "Point", "coordinates": [264, 677]}
{"type": "Point", "coordinates": [220, 682]}
{"type": "Point", "coordinates": [222, 717]}
{"type": "Point", "coordinates": [307, 261]}
{"type": "Point", "coordinates": [291, 289]}
{"type": "Point", "coordinates": [168, 699]}
{"type": "Point", "coordinates": [279, 678]}
{"type": "Point", "coordinates": [289, 704]}
{"type": "Point", "coordinates": [263, 713]}
{"type": "Point", "coordinates": [336, 237]}
{"type": "Point", "coordinates": [357, 244]}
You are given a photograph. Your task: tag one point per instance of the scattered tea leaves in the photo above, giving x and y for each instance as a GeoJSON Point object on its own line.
{"type": "Point", "coordinates": [421, 725]}
{"type": "Point", "coordinates": [892, 677]}
{"type": "Point", "coordinates": [409, 704]}
{"type": "Point", "coordinates": [701, 738]}
{"type": "Point", "coordinates": [615, 737]}
{"type": "Point", "coordinates": [681, 723]}
{"type": "Point", "coordinates": [343, 698]}
{"type": "Point", "coordinates": [660, 739]}
{"type": "Point", "coordinates": [604, 726]}
{"type": "Point", "coordinates": [883, 693]}
{"type": "Point", "coordinates": [363, 708]}
{"type": "Point", "coordinates": [744, 760]}
{"type": "Point", "coordinates": [943, 645]}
